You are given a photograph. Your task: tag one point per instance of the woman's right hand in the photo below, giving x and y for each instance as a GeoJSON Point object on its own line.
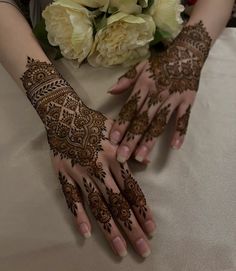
{"type": "Point", "coordinates": [86, 164]}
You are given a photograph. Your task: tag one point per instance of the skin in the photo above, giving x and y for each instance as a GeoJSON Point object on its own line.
{"type": "Point", "coordinates": [152, 95]}
{"type": "Point", "coordinates": [88, 173]}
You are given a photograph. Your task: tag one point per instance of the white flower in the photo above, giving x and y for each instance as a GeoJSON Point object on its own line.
{"type": "Point", "coordinates": [167, 16]}
{"type": "Point", "coordinates": [125, 40]}
{"type": "Point", "coordinates": [69, 27]}
{"type": "Point", "coordinates": [127, 6]}
{"type": "Point", "coordinates": [92, 3]}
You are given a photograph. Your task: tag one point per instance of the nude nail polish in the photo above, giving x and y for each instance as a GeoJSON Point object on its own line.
{"type": "Point", "coordinates": [143, 248]}
{"type": "Point", "coordinates": [84, 230]}
{"type": "Point", "coordinates": [119, 246]}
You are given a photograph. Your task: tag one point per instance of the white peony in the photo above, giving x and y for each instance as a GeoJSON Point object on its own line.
{"type": "Point", "coordinates": [125, 40]}
{"type": "Point", "coordinates": [167, 16]}
{"type": "Point", "coordinates": [69, 26]}
{"type": "Point", "coordinates": [92, 3]}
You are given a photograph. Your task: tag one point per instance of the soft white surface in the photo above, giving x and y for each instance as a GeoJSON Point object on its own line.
{"type": "Point", "coordinates": [192, 191]}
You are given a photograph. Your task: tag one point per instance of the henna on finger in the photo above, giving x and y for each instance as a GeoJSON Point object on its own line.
{"type": "Point", "coordinates": [182, 122]}
{"type": "Point", "coordinates": [72, 193]}
{"type": "Point", "coordinates": [130, 74]}
{"type": "Point", "coordinates": [133, 192]}
{"type": "Point", "coordinates": [98, 206]}
{"type": "Point", "coordinates": [158, 123]}
{"type": "Point", "coordinates": [129, 110]}
{"type": "Point", "coordinates": [119, 207]}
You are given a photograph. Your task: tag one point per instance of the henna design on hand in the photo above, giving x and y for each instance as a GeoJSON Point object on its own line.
{"type": "Point", "coordinates": [138, 126]}
{"type": "Point", "coordinates": [133, 192]}
{"type": "Point", "coordinates": [130, 74]}
{"type": "Point", "coordinates": [74, 131]}
{"type": "Point", "coordinates": [129, 110]}
{"type": "Point", "coordinates": [97, 205]}
{"type": "Point", "coordinates": [158, 124]}
{"type": "Point", "coordinates": [119, 208]}
{"type": "Point", "coordinates": [72, 193]}
{"type": "Point", "coordinates": [178, 68]}
{"type": "Point", "coordinates": [182, 123]}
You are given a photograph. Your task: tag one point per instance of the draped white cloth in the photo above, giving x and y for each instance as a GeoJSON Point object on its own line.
{"type": "Point", "coordinates": [192, 191]}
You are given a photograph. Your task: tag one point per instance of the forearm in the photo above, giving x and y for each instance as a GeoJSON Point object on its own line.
{"type": "Point", "coordinates": [213, 13]}
{"type": "Point", "coordinates": [17, 42]}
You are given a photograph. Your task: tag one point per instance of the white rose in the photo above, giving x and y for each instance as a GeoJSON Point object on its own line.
{"type": "Point", "coordinates": [69, 27]}
{"type": "Point", "coordinates": [92, 3]}
{"type": "Point", "coordinates": [125, 40]}
{"type": "Point", "coordinates": [167, 16]}
{"type": "Point", "coordinates": [127, 6]}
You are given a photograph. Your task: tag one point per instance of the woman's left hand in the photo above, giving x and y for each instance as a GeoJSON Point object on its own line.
{"type": "Point", "coordinates": [165, 83]}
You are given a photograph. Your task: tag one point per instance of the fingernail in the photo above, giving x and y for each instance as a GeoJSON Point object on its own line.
{"type": "Point", "coordinates": [123, 154]}
{"type": "Point", "coordinates": [115, 137]}
{"type": "Point", "coordinates": [143, 151]}
{"type": "Point", "coordinates": [143, 248]}
{"type": "Point", "coordinates": [150, 227]}
{"type": "Point", "coordinates": [177, 144]}
{"type": "Point", "coordinates": [84, 230]}
{"type": "Point", "coordinates": [119, 246]}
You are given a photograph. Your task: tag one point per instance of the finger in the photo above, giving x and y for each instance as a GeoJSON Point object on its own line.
{"type": "Point", "coordinates": [74, 199]}
{"type": "Point", "coordinates": [134, 195]}
{"type": "Point", "coordinates": [129, 110]}
{"type": "Point", "coordinates": [155, 129]}
{"type": "Point", "coordinates": [140, 124]}
{"type": "Point", "coordinates": [128, 79]}
{"type": "Point", "coordinates": [123, 214]}
{"type": "Point", "coordinates": [103, 215]}
{"type": "Point", "coordinates": [182, 120]}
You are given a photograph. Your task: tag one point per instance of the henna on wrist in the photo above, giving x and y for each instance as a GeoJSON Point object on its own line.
{"type": "Point", "coordinates": [74, 131]}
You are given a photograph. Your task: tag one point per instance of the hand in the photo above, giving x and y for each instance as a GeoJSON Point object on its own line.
{"type": "Point", "coordinates": [86, 164]}
{"type": "Point", "coordinates": [165, 83]}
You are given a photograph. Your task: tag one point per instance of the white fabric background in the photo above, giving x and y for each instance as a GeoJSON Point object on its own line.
{"type": "Point", "coordinates": [192, 191]}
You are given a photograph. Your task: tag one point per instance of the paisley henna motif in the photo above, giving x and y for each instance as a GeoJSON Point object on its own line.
{"type": "Point", "coordinates": [71, 192]}
{"type": "Point", "coordinates": [182, 123]}
{"type": "Point", "coordinates": [74, 131]}
{"type": "Point", "coordinates": [133, 192]}
{"type": "Point", "coordinates": [97, 205]}
{"type": "Point", "coordinates": [119, 208]}
{"type": "Point", "coordinates": [158, 124]}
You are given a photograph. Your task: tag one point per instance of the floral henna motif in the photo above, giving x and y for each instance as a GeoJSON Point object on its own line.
{"type": "Point", "coordinates": [97, 205]}
{"type": "Point", "coordinates": [71, 192]}
{"type": "Point", "coordinates": [182, 123]}
{"type": "Point", "coordinates": [133, 192]}
{"type": "Point", "coordinates": [178, 68]}
{"type": "Point", "coordinates": [119, 208]}
{"type": "Point", "coordinates": [74, 131]}
{"type": "Point", "coordinates": [138, 126]}
{"type": "Point", "coordinates": [129, 110]}
{"type": "Point", "coordinates": [158, 124]}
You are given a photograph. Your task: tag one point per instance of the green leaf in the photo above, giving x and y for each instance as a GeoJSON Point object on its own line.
{"type": "Point", "coordinates": [157, 38]}
{"type": "Point", "coordinates": [100, 22]}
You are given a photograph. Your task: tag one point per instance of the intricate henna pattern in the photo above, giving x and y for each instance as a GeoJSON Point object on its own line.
{"type": "Point", "coordinates": [133, 192]}
{"type": "Point", "coordinates": [119, 208]}
{"type": "Point", "coordinates": [178, 68]}
{"type": "Point", "coordinates": [71, 192]}
{"type": "Point", "coordinates": [138, 126]}
{"type": "Point", "coordinates": [97, 205]}
{"type": "Point", "coordinates": [129, 110]}
{"type": "Point", "coordinates": [158, 124]}
{"type": "Point", "coordinates": [182, 123]}
{"type": "Point", "coordinates": [74, 131]}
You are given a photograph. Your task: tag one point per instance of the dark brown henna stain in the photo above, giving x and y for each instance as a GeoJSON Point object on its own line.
{"type": "Point", "coordinates": [119, 208]}
{"type": "Point", "coordinates": [182, 122]}
{"type": "Point", "coordinates": [97, 206]}
{"type": "Point", "coordinates": [178, 68]}
{"type": "Point", "coordinates": [158, 124]}
{"type": "Point", "coordinates": [129, 110]}
{"type": "Point", "coordinates": [133, 192]}
{"type": "Point", "coordinates": [71, 192]}
{"type": "Point", "coordinates": [138, 126]}
{"type": "Point", "coordinates": [74, 131]}
{"type": "Point", "coordinates": [130, 74]}
{"type": "Point", "coordinates": [154, 98]}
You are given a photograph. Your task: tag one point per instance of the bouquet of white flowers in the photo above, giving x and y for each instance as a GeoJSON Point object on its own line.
{"type": "Point", "coordinates": [111, 32]}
